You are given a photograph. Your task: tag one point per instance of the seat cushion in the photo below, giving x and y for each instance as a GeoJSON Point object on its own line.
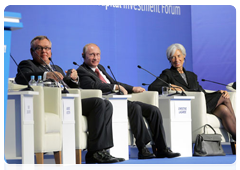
{"type": "Point", "coordinates": [84, 124]}
{"type": "Point", "coordinates": [214, 121]}
{"type": "Point", "coordinates": [52, 123]}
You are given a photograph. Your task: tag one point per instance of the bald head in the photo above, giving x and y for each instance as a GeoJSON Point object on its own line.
{"type": "Point", "coordinates": [85, 48]}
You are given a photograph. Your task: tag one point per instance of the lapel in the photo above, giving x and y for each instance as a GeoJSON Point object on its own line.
{"type": "Point", "coordinates": [191, 79]}
{"type": "Point", "coordinates": [94, 75]}
{"type": "Point", "coordinates": [39, 66]}
{"type": "Point", "coordinates": [43, 68]}
{"type": "Point", "coordinates": [106, 74]}
{"type": "Point", "coordinates": [176, 75]}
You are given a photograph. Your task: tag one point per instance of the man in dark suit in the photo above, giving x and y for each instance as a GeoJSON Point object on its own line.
{"type": "Point", "coordinates": [97, 111]}
{"type": "Point", "coordinates": [92, 75]}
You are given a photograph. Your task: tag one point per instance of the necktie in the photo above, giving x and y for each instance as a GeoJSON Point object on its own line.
{"type": "Point", "coordinates": [100, 76]}
{"type": "Point", "coordinates": [47, 68]}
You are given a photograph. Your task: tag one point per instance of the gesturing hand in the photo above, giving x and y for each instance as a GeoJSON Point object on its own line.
{"type": "Point", "coordinates": [57, 76]}
{"type": "Point", "coordinates": [73, 75]}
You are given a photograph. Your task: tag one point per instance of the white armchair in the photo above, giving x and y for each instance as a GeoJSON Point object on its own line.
{"type": "Point", "coordinates": [81, 130]}
{"type": "Point", "coordinates": [230, 88]}
{"type": "Point", "coordinates": [47, 121]}
{"type": "Point", "coordinates": [81, 121]}
{"type": "Point", "coordinates": [200, 116]}
{"type": "Point", "coordinates": [148, 97]}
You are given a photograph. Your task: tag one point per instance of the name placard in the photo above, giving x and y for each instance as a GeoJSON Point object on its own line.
{"type": "Point", "coordinates": [68, 109]}
{"type": "Point", "coordinates": [28, 109]}
{"type": "Point", "coordinates": [182, 110]}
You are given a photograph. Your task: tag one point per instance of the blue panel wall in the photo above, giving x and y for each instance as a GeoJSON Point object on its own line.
{"type": "Point", "coordinates": [127, 35]}
{"type": "Point", "coordinates": [214, 44]}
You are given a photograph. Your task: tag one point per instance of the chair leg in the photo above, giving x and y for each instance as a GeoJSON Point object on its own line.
{"type": "Point", "coordinates": [39, 158]}
{"type": "Point", "coordinates": [58, 157]}
{"type": "Point", "coordinates": [233, 146]}
{"type": "Point", "coordinates": [78, 156]}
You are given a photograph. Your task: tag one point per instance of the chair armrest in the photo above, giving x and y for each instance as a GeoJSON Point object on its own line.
{"type": "Point", "coordinates": [15, 87]}
{"type": "Point", "coordinates": [148, 97]}
{"type": "Point", "coordinates": [233, 99]}
{"type": "Point", "coordinates": [198, 112]}
{"type": "Point", "coordinates": [38, 110]}
{"type": "Point", "coordinates": [77, 102]}
{"type": "Point", "coordinates": [230, 88]}
{"type": "Point", "coordinates": [209, 91]}
{"type": "Point", "coordinates": [87, 93]}
{"type": "Point", "coordinates": [52, 100]}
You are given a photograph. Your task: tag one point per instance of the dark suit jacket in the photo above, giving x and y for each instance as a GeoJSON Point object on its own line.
{"type": "Point", "coordinates": [30, 67]}
{"type": "Point", "coordinates": [89, 80]}
{"type": "Point", "coordinates": [173, 76]}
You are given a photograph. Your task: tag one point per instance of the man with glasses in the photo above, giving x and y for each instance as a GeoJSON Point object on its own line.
{"type": "Point", "coordinates": [41, 52]}
{"type": "Point", "coordinates": [98, 111]}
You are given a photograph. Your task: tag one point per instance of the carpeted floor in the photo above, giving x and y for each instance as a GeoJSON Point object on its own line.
{"type": "Point", "coordinates": [228, 162]}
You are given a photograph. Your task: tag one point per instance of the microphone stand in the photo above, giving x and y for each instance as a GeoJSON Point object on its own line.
{"type": "Point", "coordinates": [29, 88]}
{"type": "Point", "coordinates": [169, 85]}
{"type": "Point", "coordinates": [216, 82]}
{"type": "Point", "coordinates": [63, 83]}
{"type": "Point", "coordinates": [119, 92]}
{"type": "Point", "coordinates": [106, 93]}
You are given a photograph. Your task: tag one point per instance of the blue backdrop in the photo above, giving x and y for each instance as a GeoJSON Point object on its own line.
{"type": "Point", "coordinates": [127, 36]}
{"type": "Point", "coordinates": [214, 44]}
{"type": "Point", "coordinates": [134, 35]}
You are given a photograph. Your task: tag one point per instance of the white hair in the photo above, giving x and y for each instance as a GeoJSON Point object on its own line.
{"type": "Point", "coordinates": [172, 49]}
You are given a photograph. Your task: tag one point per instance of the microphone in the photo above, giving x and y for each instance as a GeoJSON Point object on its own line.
{"type": "Point", "coordinates": [29, 88]}
{"type": "Point", "coordinates": [120, 92]}
{"type": "Point", "coordinates": [216, 82]}
{"type": "Point", "coordinates": [76, 64]}
{"type": "Point", "coordinates": [106, 93]}
{"type": "Point", "coordinates": [62, 82]}
{"type": "Point", "coordinates": [169, 85]}
{"type": "Point", "coordinates": [144, 84]}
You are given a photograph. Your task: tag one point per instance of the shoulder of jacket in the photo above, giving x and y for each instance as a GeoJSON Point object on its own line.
{"type": "Point", "coordinates": [167, 71]}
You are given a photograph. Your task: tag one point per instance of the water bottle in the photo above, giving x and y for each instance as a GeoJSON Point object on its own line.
{"type": "Point", "coordinates": [40, 81]}
{"type": "Point", "coordinates": [32, 82]}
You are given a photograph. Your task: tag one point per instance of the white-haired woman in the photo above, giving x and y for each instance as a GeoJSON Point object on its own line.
{"type": "Point", "coordinates": [217, 103]}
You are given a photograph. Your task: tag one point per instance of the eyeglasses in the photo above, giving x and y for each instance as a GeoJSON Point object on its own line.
{"type": "Point", "coordinates": [39, 48]}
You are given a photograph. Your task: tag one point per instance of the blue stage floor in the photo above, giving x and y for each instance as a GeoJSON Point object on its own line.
{"type": "Point", "coordinates": [228, 162]}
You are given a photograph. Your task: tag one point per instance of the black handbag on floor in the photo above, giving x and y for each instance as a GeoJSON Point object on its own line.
{"type": "Point", "coordinates": [208, 144]}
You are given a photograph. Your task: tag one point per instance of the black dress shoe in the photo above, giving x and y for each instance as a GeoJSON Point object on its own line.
{"type": "Point", "coordinates": [167, 153]}
{"type": "Point", "coordinates": [145, 154]}
{"type": "Point", "coordinates": [99, 157]}
{"type": "Point", "coordinates": [119, 159]}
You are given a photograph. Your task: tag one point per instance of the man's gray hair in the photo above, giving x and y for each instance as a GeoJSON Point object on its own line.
{"type": "Point", "coordinates": [41, 37]}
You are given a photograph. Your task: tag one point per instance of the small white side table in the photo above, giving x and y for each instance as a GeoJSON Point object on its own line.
{"type": "Point", "coordinates": [68, 129]}
{"type": "Point", "coordinates": [177, 122]}
{"type": "Point", "coordinates": [19, 132]}
{"type": "Point", "coordinates": [120, 125]}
